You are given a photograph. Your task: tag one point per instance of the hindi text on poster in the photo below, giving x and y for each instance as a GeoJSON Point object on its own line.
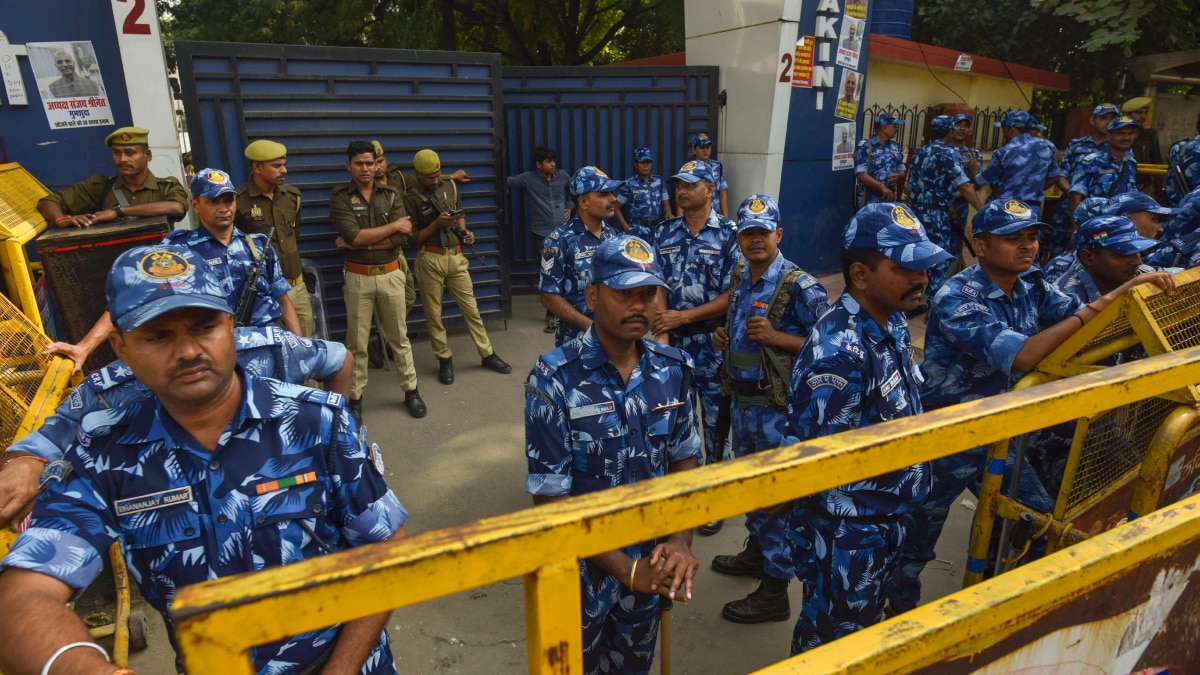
{"type": "Point", "coordinates": [802, 73]}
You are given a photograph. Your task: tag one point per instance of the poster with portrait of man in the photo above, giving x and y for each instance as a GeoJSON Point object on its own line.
{"type": "Point", "coordinates": [850, 44]}
{"type": "Point", "coordinates": [851, 90]}
{"type": "Point", "coordinates": [68, 79]}
{"type": "Point", "coordinates": [843, 146]}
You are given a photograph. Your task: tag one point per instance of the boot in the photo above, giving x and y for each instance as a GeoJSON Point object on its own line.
{"type": "Point", "coordinates": [748, 563]}
{"type": "Point", "coordinates": [496, 364]}
{"type": "Point", "coordinates": [412, 401]}
{"type": "Point", "coordinates": [709, 529]}
{"type": "Point", "coordinates": [446, 371]}
{"type": "Point", "coordinates": [768, 602]}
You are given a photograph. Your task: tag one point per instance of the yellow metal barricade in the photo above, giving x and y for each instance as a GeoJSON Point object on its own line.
{"type": "Point", "coordinates": [219, 622]}
{"type": "Point", "coordinates": [20, 223]}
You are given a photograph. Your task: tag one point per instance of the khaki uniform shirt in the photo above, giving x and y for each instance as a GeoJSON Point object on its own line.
{"type": "Point", "coordinates": [447, 193]}
{"type": "Point", "coordinates": [351, 213]}
{"type": "Point", "coordinates": [399, 179]}
{"type": "Point", "coordinates": [258, 213]}
{"type": "Point", "coordinates": [90, 195]}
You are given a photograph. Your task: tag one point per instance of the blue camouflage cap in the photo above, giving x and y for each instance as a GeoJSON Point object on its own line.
{"type": "Point", "coordinates": [1016, 118]}
{"type": "Point", "coordinates": [943, 123]}
{"type": "Point", "coordinates": [1114, 233]}
{"type": "Point", "coordinates": [887, 118]}
{"type": "Point", "coordinates": [700, 140]}
{"type": "Point", "coordinates": [1005, 216]}
{"type": "Point", "coordinates": [1105, 109]}
{"type": "Point", "coordinates": [643, 155]}
{"type": "Point", "coordinates": [211, 183]}
{"type": "Point", "coordinates": [626, 262]}
{"type": "Point", "coordinates": [1136, 202]}
{"type": "Point", "coordinates": [591, 179]}
{"type": "Point", "coordinates": [1121, 122]}
{"type": "Point", "coordinates": [694, 172]}
{"type": "Point", "coordinates": [963, 117]}
{"type": "Point", "coordinates": [758, 211]}
{"type": "Point", "coordinates": [893, 229]}
{"type": "Point", "coordinates": [1090, 208]}
{"type": "Point", "coordinates": [1037, 125]}
{"type": "Point", "coordinates": [149, 281]}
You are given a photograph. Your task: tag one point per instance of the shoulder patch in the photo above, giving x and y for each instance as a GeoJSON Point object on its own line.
{"type": "Point", "coordinates": [531, 390]}
{"type": "Point", "coordinates": [57, 470]}
{"type": "Point", "coordinates": [112, 375]}
{"type": "Point", "coordinates": [971, 291]}
{"type": "Point", "coordinates": [851, 348]}
{"type": "Point", "coordinates": [668, 351]}
{"type": "Point", "coordinates": [826, 380]}
{"type": "Point", "coordinates": [969, 308]}
{"type": "Point", "coordinates": [807, 281]}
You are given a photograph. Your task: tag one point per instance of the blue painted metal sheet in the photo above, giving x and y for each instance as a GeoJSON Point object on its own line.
{"type": "Point", "coordinates": [597, 116]}
{"type": "Point", "coordinates": [316, 100]}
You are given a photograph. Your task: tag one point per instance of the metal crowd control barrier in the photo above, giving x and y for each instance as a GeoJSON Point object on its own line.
{"type": "Point", "coordinates": [20, 223]}
{"type": "Point", "coordinates": [218, 622]}
{"type": "Point", "coordinates": [1125, 461]}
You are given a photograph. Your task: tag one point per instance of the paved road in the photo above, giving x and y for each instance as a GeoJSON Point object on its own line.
{"type": "Point", "coordinates": [466, 460]}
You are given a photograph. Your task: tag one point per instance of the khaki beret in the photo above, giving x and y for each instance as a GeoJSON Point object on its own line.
{"type": "Point", "coordinates": [128, 136]}
{"type": "Point", "coordinates": [427, 162]}
{"type": "Point", "coordinates": [263, 150]}
{"type": "Point", "coordinates": [1135, 104]}
{"type": "Point", "coordinates": [378, 148]}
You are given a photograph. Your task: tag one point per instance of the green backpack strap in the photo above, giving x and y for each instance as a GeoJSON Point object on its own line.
{"type": "Point", "coordinates": [735, 280]}
{"type": "Point", "coordinates": [780, 361]}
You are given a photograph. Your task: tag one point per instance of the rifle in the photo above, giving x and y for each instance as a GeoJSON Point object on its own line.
{"type": "Point", "coordinates": [434, 207]}
{"type": "Point", "coordinates": [1179, 179]}
{"type": "Point", "coordinates": [245, 303]}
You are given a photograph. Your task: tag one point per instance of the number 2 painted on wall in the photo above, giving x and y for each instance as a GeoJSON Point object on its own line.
{"type": "Point", "coordinates": [132, 25]}
{"type": "Point", "coordinates": [785, 75]}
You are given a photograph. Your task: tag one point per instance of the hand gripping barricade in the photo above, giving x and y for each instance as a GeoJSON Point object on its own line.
{"type": "Point", "coordinates": [1123, 463]}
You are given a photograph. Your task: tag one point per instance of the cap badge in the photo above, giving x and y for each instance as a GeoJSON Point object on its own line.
{"type": "Point", "coordinates": [1017, 209]}
{"type": "Point", "coordinates": [901, 217]}
{"type": "Point", "coordinates": [217, 177]}
{"type": "Point", "coordinates": [125, 136]}
{"type": "Point", "coordinates": [164, 265]}
{"type": "Point", "coordinates": [687, 167]}
{"type": "Point", "coordinates": [1100, 236]}
{"type": "Point", "coordinates": [637, 252]}
{"type": "Point", "coordinates": [702, 137]}
{"type": "Point", "coordinates": [600, 173]}
{"type": "Point", "coordinates": [756, 205]}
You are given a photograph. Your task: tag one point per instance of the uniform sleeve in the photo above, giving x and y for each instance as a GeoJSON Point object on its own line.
{"type": "Point", "coordinates": [827, 396]}
{"type": "Point", "coordinates": [809, 302]}
{"type": "Point", "coordinates": [365, 510]}
{"type": "Point", "coordinates": [722, 184]}
{"type": "Point", "coordinates": [1056, 305]}
{"type": "Point", "coordinates": [972, 327]}
{"type": "Point", "coordinates": [553, 260]}
{"type": "Point", "coordinates": [82, 197]}
{"type": "Point", "coordinates": [623, 193]}
{"type": "Point", "coordinates": [954, 169]}
{"type": "Point", "coordinates": [399, 210]}
{"type": "Point", "coordinates": [733, 256]}
{"type": "Point", "coordinates": [175, 192]}
{"type": "Point", "coordinates": [685, 437]}
{"type": "Point", "coordinates": [547, 437]}
{"type": "Point", "coordinates": [860, 157]}
{"type": "Point", "coordinates": [342, 217]}
{"type": "Point", "coordinates": [991, 173]}
{"type": "Point", "coordinates": [59, 430]}
{"type": "Point", "coordinates": [310, 359]}
{"type": "Point", "coordinates": [1081, 179]}
{"type": "Point", "coordinates": [272, 274]}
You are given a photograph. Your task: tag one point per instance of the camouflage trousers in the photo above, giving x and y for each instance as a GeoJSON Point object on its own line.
{"type": "Point", "coordinates": [846, 569]}
{"type": "Point", "coordinates": [707, 387]}
{"type": "Point", "coordinates": [620, 626]}
{"type": "Point", "coordinates": [937, 226]}
{"type": "Point", "coordinates": [757, 428]}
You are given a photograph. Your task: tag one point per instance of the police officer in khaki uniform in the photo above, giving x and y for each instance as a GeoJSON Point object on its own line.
{"type": "Point", "coordinates": [441, 266]}
{"type": "Point", "coordinates": [134, 192]}
{"type": "Point", "coordinates": [372, 225]}
{"type": "Point", "coordinates": [264, 202]}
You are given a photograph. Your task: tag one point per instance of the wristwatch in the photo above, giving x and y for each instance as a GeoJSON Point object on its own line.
{"type": "Point", "coordinates": [118, 211]}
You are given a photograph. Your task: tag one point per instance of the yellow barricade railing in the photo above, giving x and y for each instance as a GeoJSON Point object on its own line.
{"type": "Point", "coordinates": [218, 622]}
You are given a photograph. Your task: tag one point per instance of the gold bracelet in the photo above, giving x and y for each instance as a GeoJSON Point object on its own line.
{"type": "Point", "coordinates": [632, 573]}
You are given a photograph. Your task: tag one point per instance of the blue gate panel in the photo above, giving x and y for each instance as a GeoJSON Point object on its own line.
{"type": "Point", "coordinates": [316, 100]}
{"type": "Point", "coordinates": [597, 116]}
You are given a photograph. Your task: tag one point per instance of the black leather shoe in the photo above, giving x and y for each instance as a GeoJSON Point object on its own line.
{"type": "Point", "coordinates": [748, 563]}
{"type": "Point", "coordinates": [768, 602]}
{"type": "Point", "coordinates": [355, 407]}
{"type": "Point", "coordinates": [446, 371]}
{"type": "Point", "coordinates": [412, 401]}
{"type": "Point", "coordinates": [709, 529]}
{"type": "Point", "coordinates": [493, 362]}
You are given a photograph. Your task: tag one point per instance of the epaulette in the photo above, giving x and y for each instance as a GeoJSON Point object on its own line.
{"type": "Point", "coordinates": [330, 399]}
{"type": "Point", "coordinates": [113, 375]}
{"type": "Point", "coordinates": [290, 189]}
{"type": "Point", "coordinates": [666, 350]}
{"type": "Point", "coordinates": [343, 187]}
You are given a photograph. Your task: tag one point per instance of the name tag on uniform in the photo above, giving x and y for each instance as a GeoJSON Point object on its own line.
{"type": "Point", "coordinates": [157, 500]}
{"type": "Point", "coordinates": [890, 384]}
{"type": "Point", "coordinates": [593, 410]}
{"type": "Point", "coordinates": [584, 255]}
{"type": "Point", "coordinates": [213, 262]}
{"type": "Point", "coordinates": [669, 249]}
{"type": "Point", "coordinates": [708, 251]}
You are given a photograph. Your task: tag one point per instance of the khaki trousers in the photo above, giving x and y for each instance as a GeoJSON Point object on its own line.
{"type": "Point", "coordinates": [381, 294]}
{"type": "Point", "coordinates": [436, 272]}
{"type": "Point", "coordinates": [303, 304]}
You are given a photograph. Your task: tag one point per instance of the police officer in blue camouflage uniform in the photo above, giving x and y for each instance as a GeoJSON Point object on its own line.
{"type": "Point", "coordinates": [697, 251]}
{"type": "Point", "coordinates": [879, 162]}
{"type": "Point", "coordinates": [1182, 249]}
{"type": "Point", "coordinates": [1137, 206]}
{"type": "Point", "coordinates": [988, 326]}
{"type": "Point", "coordinates": [215, 456]}
{"type": "Point", "coordinates": [934, 177]}
{"type": "Point", "coordinates": [971, 161]}
{"type": "Point", "coordinates": [612, 408]}
{"type": "Point", "coordinates": [567, 252]}
{"type": "Point", "coordinates": [1076, 150]}
{"type": "Point", "coordinates": [643, 198]}
{"type": "Point", "coordinates": [702, 149]}
{"type": "Point", "coordinates": [857, 369]}
{"type": "Point", "coordinates": [1147, 214]}
{"type": "Point", "coordinates": [1023, 167]}
{"type": "Point", "coordinates": [1184, 154]}
{"type": "Point", "coordinates": [1109, 171]}
{"type": "Point", "coordinates": [1108, 252]}
{"type": "Point", "coordinates": [772, 306]}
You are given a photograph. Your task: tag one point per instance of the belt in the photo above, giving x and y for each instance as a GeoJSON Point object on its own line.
{"type": "Point", "coordinates": [434, 248]}
{"type": "Point", "coordinates": [742, 388]}
{"type": "Point", "coordinates": [706, 326]}
{"type": "Point", "coordinates": [644, 221]}
{"type": "Point", "coordinates": [372, 270]}
{"type": "Point", "coordinates": [883, 519]}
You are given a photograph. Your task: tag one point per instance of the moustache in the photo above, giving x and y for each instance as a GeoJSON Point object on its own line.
{"type": "Point", "coordinates": [636, 317]}
{"type": "Point", "coordinates": [188, 365]}
{"type": "Point", "coordinates": [915, 290]}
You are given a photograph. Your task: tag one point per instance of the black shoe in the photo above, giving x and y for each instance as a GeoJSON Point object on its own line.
{"type": "Point", "coordinates": [748, 563]}
{"type": "Point", "coordinates": [768, 602]}
{"type": "Point", "coordinates": [493, 362]}
{"type": "Point", "coordinates": [446, 371]}
{"type": "Point", "coordinates": [412, 401]}
{"type": "Point", "coordinates": [355, 407]}
{"type": "Point", "coordinates": [709, 529]}
{"type": "Point", "coordinates": [551, 326]}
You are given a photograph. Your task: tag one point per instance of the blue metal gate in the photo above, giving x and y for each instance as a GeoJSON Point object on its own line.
{"type": "Point", "coordinates": [597, 116]}
{"type": "Point", "coordinates": [316, 100]}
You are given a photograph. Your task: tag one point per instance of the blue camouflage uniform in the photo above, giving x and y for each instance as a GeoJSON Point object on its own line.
{"type": "Point", "coordinates": [719, 182]}
{"type": "Point", "coordinates": [878, 160]}
{"type": "Point", "coordinates": [1019, 170]}
{"type": "Point", "coordinates": [643, 202]}
{"type": "Point", "coordinates": [262, 352]}
{"type": "Point", "coordinates": [851, 373]}
{"type": "Point", "coordinates": [1100, 174]}
{"type": "Point", "coordinates": [697, 271]}
{"type": "Point", "coordinates": [586, 429]}
{"type": "Point", "coordinates": [1181, 240]}
{"type": "Point", "coordinates": [1076, 150]}
{"type": "Point", "coordinates": [975, 332]}
{"type": "Point", "coordinates": [289, 481]}
{"type": "Point", "coordinates": [961, 208]}
{"type": "Point", "coordinates": [567, 268]}
{"type": "Point", "coordinates": [933, 178]}
{"type": "Point", "coordinates": [1187, 221]}
{"type": "Point", "coordinates": [1186, 155]}
{"type": "Point", "coordinates": [230, 264]}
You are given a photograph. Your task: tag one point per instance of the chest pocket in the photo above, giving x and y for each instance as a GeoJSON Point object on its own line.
{"type": "Point", "coordinates": [658, 433]}
{"type": "Point", "coordinates": [596, 445]}
{"type": "Point", "coordinates": [154, 542]}
{"type": "Point", "coordinates": [285, 521]}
